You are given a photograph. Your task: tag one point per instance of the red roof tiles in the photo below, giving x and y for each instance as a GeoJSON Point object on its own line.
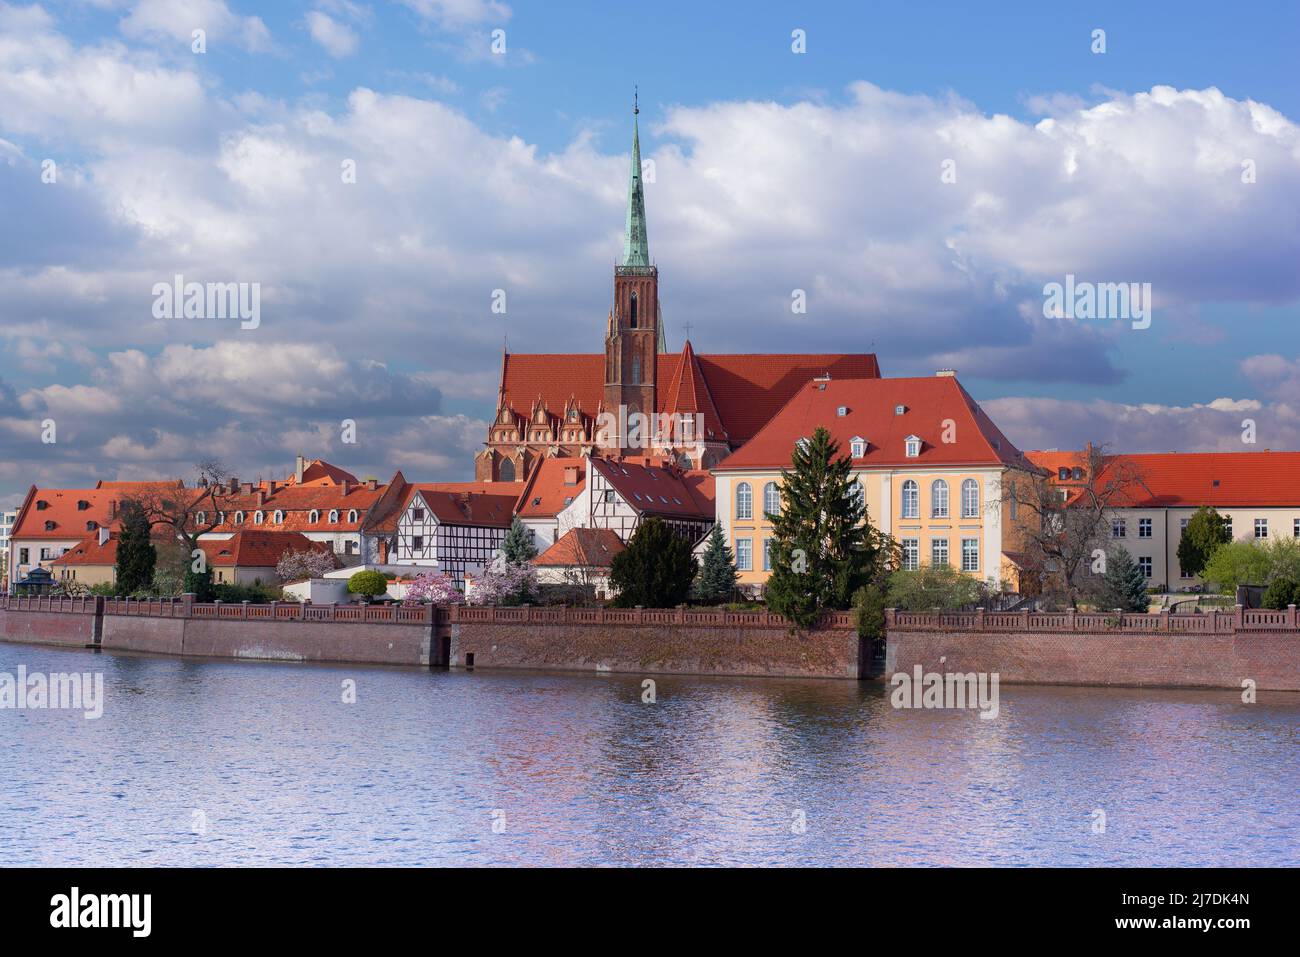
{"type": "Point", "coordinates": [655, 487]}
{"type": "Point", "coordinates": [582, 547]}
{"type": "Point", "coordinates": [549, 490]}
{"type": "Point", "coordinates": [257, 549]}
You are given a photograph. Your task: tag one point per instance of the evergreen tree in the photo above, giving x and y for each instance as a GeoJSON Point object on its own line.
{"type": "Point", "coordinates": [136, 555]}
{"type": "Point", "coordinates": [655, 570]}
{"type": "Point", "coordinates": [1123, 586]}
{"type": "Point", "coordinates": [518, 547]}
{"type": "Point", "coordinates": [716, 581]}
{"type": "Point", "coordinates": [1206, 531]}
{"type": "Point", "coordinates": [823, 548]}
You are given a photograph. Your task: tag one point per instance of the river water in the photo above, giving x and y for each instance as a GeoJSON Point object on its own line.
{"type": "Point", "coordinates": [206, 763]}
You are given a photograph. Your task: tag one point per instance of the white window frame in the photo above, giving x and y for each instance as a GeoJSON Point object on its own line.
{"type": "Point", "coordinates": [911, 548]}
{"type": "Point", "coordinates": [935, 549]}
{"type": "Point", "coordinates": [744, 502]}
{"type": "Point", "coordinates": [970, 498]}
{"type": "Point", "coordinates": [970, 554]}
{"type": "Point", "coordinates": [771, 499]}
{"type": "Point", "coordinates": [912, 508]}
{"type": "Point", "coordinates": [939, 499]}
{"type": "Point", "coordinates": [745, 556]}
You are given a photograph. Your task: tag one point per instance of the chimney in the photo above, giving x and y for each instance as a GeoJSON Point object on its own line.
{"type": "Point", "coordinates": [372, 484]}
{"type": "Point", "coordinates": [273, 484]}
{"type": "Point", "coordinates": [103, 534]}
{"type": "Point", "coordinates": [299, 464]}
{"type": "Point", "coordinates": [234, 485]}
{"type": "Point", "coordinates": [246, 488]}
{"type": "Point", "coordinates": [261, 496]}
{"type": "Point", "coordinates": [346, 485]}
{"type": "Point", "coordinates": [571, 475]}
{"type": "Point", "coordinates": [112, 509]}
{"type": "Point", "coordinates": [949, 373]}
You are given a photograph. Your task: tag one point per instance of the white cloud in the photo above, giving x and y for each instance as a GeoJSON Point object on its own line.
{"type": "Point", "coordinates": [178, 19]}
{"type": "Point", "coordinates": [337, 39]}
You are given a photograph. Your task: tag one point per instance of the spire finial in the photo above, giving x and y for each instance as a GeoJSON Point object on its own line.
{"type": "Point", "coordinates": [636, 105]}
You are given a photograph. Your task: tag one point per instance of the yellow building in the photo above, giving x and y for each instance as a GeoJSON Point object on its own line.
{"type": "Point", "coordinates": [932, 467]}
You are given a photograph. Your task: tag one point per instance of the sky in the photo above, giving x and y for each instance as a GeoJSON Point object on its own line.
{"type": "Point", "coordinates": [921, 172]}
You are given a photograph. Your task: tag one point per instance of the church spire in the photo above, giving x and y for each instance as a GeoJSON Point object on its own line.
{"type": "Point", "coordinates": [636, 249]}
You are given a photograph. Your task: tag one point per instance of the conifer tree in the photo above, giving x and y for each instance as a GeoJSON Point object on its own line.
{"type": "Point", "coordinates": [823, 548]}
{"type": "Point", "coordinates": [716, 581]}
{"type": "Point", "coordinates": [518, 547]}
{"type": "Point", "coordinates": [1206, 531]}
{"type": "Point", "coordinates": [655, 570]}
{"type": "Point", "coordinates": [136, 555]}
{"type": "Point", "coordinates": [1123, 585]}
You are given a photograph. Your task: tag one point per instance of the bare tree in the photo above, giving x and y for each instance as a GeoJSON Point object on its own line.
{"type": "Point", "coordinates": [188, 512]}
{"type": "Point", "coordinates": [1062, 524]}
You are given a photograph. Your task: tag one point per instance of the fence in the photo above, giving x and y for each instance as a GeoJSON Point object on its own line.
{"type": "Point", "coordinates": [1212, 623]}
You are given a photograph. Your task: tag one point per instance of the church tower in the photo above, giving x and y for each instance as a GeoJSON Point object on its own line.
{"type": "Point", "coordinates": [633, 337]}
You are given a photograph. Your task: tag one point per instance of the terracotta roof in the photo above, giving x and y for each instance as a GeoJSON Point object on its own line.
{"type": "Point", "coordinates": [741, 391]}
{"type": "Point", "coordinates": [68, 510]}
{"type": "Point", "coordinates": [545, 491]}
{"type": "Point", "coordinates": [257, 549]}
{"type": "Point", "coordinates": [320, 472]}
{"type": "Point", "coordinates": [90, 552]}
{"type": "Point", "coordinates": [656, 487]}
{"type": "Point", "coordinates": [871, 414]}
{"type": "Point", "coordinates": [1192, 479]}
{"type": "Point", "coordinates": [582, 547]}
{"type": "Point", "coordinates": [297, 503]}
{"type": "Point", "coordinates": [490, 504]}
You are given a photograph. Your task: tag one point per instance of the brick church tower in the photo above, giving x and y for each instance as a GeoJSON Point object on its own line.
{"type": "Point", "coordinates": [634, 334]}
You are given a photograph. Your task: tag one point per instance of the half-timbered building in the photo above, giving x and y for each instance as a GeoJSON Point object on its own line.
{"type": "Point", "coordinates": [453, 527]}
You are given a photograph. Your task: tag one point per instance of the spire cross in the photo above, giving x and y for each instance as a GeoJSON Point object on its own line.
{"type": "Point", "coordinates": [636, 107]}
{"type": "Point", "coordinates": [687, 327]}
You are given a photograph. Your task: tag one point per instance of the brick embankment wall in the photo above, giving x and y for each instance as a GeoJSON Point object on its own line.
{"type": "Point", "coordinates": [47, 628]}
{"type": "Point", "coordinates": [578, 642]}
{"type": "Point", "coordinates": [1142, 651]}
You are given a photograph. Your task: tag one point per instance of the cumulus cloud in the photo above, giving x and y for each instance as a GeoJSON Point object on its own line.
{"type": "Point", "coordinates": [177, 20]}
{"type": "Point", "coordinates": [337, 39]}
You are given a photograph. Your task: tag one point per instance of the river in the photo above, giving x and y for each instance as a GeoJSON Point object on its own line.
{"type": "Point", "coordinates": [220, 763]}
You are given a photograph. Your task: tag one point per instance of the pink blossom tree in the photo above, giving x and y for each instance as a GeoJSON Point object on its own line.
{"type": "Point", "coordinates": [505, 584]}
{"type": "Point", "coordinates": [295, 566]}
{"type": "Point", "coordinates": [434, 588]}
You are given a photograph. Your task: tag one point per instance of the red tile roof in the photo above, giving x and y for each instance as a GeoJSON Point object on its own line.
{"type": "Point", "coordinates": [89, 551]}
{"type": "Point", "coordinates": [1192, 479]}
{"type": "Point", "coordinates": [545, 491]}
{"type": "Point", "coordinates": [740, 392]}
{"type": "Point", "coordinates": [490, 504]}
{"type": "Point", "coordinates": [656, 487]}
{"type": "Point", "coordinates": [257, 549]}
{"type": "Point", "coordinates": [320, 472]}
{"type": "Point", "coordinates": [297, 502]}
{"type": "Point", "coordinates": [928, 404]}
{"type": "Point", "coordinates": [582, 547]}
{"type": "Point", "coordinates": [68, 510]}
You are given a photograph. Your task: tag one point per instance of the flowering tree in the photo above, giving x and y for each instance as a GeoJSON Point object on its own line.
{"type": "Point", "coordinates": [505, 584]}
{"type": "Point", "coordinates": [435, 588]}
{"type": "Point", "coordinates": [295, 566]}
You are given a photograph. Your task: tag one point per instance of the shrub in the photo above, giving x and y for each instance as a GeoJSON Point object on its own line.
{"type": "Point", "coordinates": [1280, 593]}
{"type": "Point", "coordinates": [932, 588]}
{"type": "Point", "coordinates": [434, 588]}
{"type": "Point", "coordinates": [253, 594]}
{"type": "Point", "coordinates": [311, 563]}
{"type": "Point", "coordinates": [368, 584]}
{"type": "Point", "coordinates": [505, 584]}
{"type": "Point", "coordinates": [869, 604]}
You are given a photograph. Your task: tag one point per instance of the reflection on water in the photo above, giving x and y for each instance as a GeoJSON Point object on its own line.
{"type": "Point", "coordinates": [273, 768]}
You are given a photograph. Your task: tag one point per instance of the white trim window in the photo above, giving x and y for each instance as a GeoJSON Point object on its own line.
{"type": "Point", "coordinates": [1118, 528]}
{"type": "Point", "coordinates": [938, 499]}
{"type": "Point", "coordinates": [352, 516]}
{"type": "Point", "coordinates": [767, 554]}
{"type": "Point", "coordinates": [334, 516]}
{"type": "Point", "coordinates": [1261, 528]}
{"type": "Point", "coordinates": [970, 554]}
{"type": "Point", "coordinates": [911, 499]}
{"type": "Point", "coordinates": [744, 502]}
{"type": "Point", "coordinates": [259, 517]}
{"type": "Point", "coordinates": [313, 517]}
{"type": "Point", "coordinates": [911, 554]}
{"type": "Point", "coordinates": [1144, 528]}
{"type": "Point", "coordinates": [970, 499]}
{"type": "Point", "coordinates": [771, 499]}
{"type": "Point", "coordinates": [239, 518]}
{"type": "Point", "coordinates": [857, 447]}
{"type": "Point", "coordinates": [1144, 563]}
{"type": "Point", "coordinates": [938, 552]}
{"type": "Point", "coordinates": [912, 448]}
{"type": "Point", "coordinates": [745, 554]}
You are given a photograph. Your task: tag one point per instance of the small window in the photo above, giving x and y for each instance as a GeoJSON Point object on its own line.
{"type": "Point", "coordinates": [745, 554]}
{"type": "Point", "coordinates": [201, 518]}
{"type": "Point", "coordinates": [938, 551]}
{"type": "Point", "coordinates": [334, 516]}
{"type": "Point", "coordinates": [352, 515]}
{"type": "Point", "coordinates": [568, 500]}
{"type": "Point", "coordinates": [258, 517]}
{"type": "Point", "coordinates": [1063, 474]}
{"type": "Point", "coordinates": [417, 514]}
{"type": "Point", "coordinates": [82, 505]}
{"type": "Point", "coordinates": [1077, 474]}
{"type": "Point", "coordinates": [49, 526]}
{"type": "Point", "coordinates": [911, 554]}
{"type": "Point", "coordinates": [858, 447]}
{"type": "Point", "coordinates": [41, 505]}
{"type": "Point", "coordinates": [417, 542]}
{"type": "Point", "coordinates": [1144, 563]}
{"type": "Point", "coordinates": [913, 446]}
{"type": "Point", "coordinates": [1118, 528]}
{"type": "Point", "coordinates": [92, 525]}
{"type": "Point", "coordinates": [899, 409]}
{"type": "Point", "coordinates": [313, 517]}
{"type": "Point", "coordinates": [277, 517]}
{"type": "Point", "coordinates": [970, 554]}
{"type": "Point", "coordinates": [842, 411]}
{"type": "Point", "coordinates": [1144, 528]}
{"type": "Point", "coordinates": [239, 518]}
{"type": "Point", "coordinates": [1261, 528]}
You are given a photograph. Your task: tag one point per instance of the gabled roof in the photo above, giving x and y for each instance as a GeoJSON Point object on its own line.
{"type": "Point", "coordinates": [545, 491]}
{"type": "Point", "coordinates": [297, 503]}
{"type": "Point", "coordinates": [1192, 479]}
{"type": "Point", "coordinates": [69, 510]}
{"type": "Point", "coordinates": [89, 551]}
{"type": "Point", "coordinates": [930, 402]}
{"type": "Point", "coordinates": [582, 548]}
{"type": "Point", "coordinates": [318, 471]}
{"type": "Point", "coordinates": [488, 504]}
{"type": "Point", "coordinates": [656, 487]}
{"type": "Point", "coordinates": [257, 549]}
{"type": "Point", "coordinates": [743, 391]}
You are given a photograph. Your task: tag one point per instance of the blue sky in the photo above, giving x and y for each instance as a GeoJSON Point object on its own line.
{"type": "Point", "coordinates": [776, 171]}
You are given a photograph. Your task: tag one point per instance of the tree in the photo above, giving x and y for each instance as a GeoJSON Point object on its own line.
{"type": "Point", "coordinates": [716, 581]}
{"type": "Point", "coordinates": [823, 546]}
{"type": "Point", "coordinates": [655, 570]}
{"type": "Point", "coordinates": [518, 547]}
{"type": "Point", "coordinates": [434, 588]}
{"type": "Point", "coordinates": [505, 584]}
{"type": "Point", "coordinates": [1206, 531]}
{"type": "Point", "coordinates": [1059, 534]}
{"type": "Point", "coordinates": [932, 588]}
{"type": "Point", "coordinates": [1123, 585]}
{"type": "Point", "coordinates": [135, 552]}
{"type": "Point", "coordinates": [311, 563]}
{"type": "Point", "coordinates": [1237, 563]}
{"type": "Point", "coordinates": [368, 584]}
{"type": "Point", "coordinates": [1280, 593]}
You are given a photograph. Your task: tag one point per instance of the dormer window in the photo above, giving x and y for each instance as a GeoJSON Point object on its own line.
{"type": "Point", "coordinates": [858, 447]}
{"type": "Point", "coordinates": [92, 525]}
{"type": "Point", "coordinates": [573, 415]}
{"type": "Point", "coordinates": [334, 516]}
{"type": "Point", "coordinates": [313, 517]}
{"type": "Point", "coordinates": [278, 517]}
{"type": "Point", "coordinates": [802, 444]}
{"type": "Point", "coordinates": [41, 505]}
{"type": "Point", "coordinates": [201, 518]}
{"type": "Point", "coordinates": [258, 517]}
{"type": "Point", "coordinates": [1063, 474]}
{"type": "Point", "coordinates": [899, 409]}
{"type": "Point", "coordinates": [82, 505]}
{"type": "Point", "coordinates": [842, 411]}
{"type": "Point", "coordinates": [352, 515]}
{"type": "Point", "coordinates": [913, 448]}
{"type": "Point", "coordinates": [239, 518]}
{"type": "Point", "coordinates": [50, 526]}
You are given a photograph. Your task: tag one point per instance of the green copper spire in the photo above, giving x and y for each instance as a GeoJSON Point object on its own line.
{"type": "Point", "coordinates": [636, 249]}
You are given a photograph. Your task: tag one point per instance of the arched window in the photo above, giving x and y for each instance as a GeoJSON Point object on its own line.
{"type": "Point", "coordinates": [970, 499]}
{"type": "Point", "coordinates": [258, 517]}
{"type": "Point", "coordinates": [278, 517]}
{"type": "Point", "coordinates": [771, 499]}
{"type": "Point", "coordinates": [858, 494]}
{"type": "Point", "coordinates": [334, 516]}
{"type": "Point", "coordinates": [507, 471]}
{"type": "Point", "coordinates": [313, 517]}
{"type": "Point", "coordinates": [939, 499]}
{"type": "Point", "coordinates": [636, 369]}
{"type": "Point", "coordinates": [911, 500]}
{"type": "Point", "coordinates": [352, 515]}
{"type": "Point", "coordinates": [239, 518]}
{"type": "Point", "coordinates": [744, 501]}
{"type": "Point", "coordinates": [632, 317]}
{"type": "Point", "coordinates": [201, 518]}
